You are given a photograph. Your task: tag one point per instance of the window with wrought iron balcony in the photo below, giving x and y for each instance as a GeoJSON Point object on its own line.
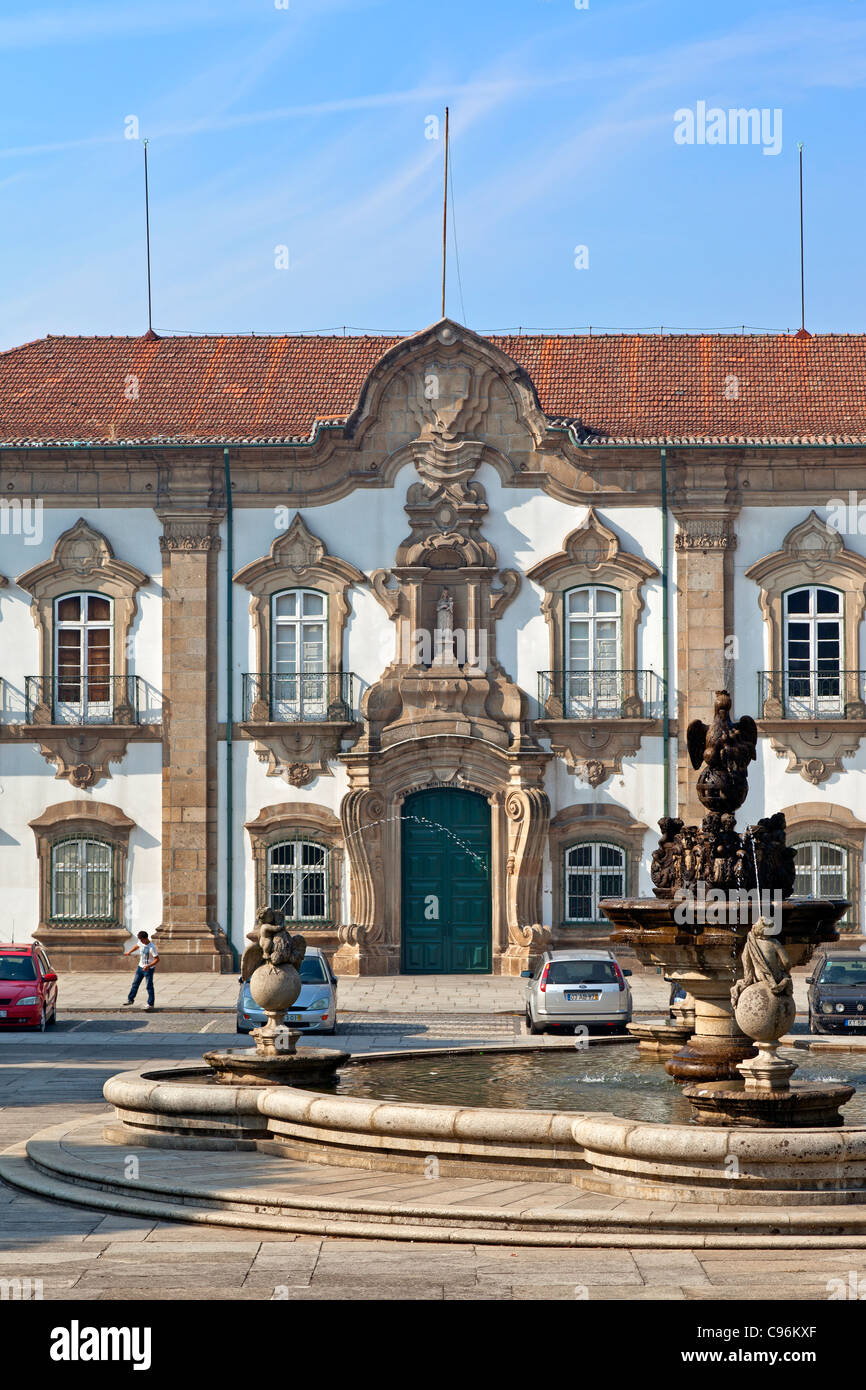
{"type": "Point", "coordinates": [814, 682]}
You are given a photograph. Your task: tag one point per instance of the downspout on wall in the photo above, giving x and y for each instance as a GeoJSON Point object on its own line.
{"type": "Point", "coordinates": [229, 819]}
{"type": "Point", "coordinates": [666, 730]}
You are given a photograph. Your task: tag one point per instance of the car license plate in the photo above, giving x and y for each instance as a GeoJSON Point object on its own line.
{"type": "Point", "coordinates": [577, 998]}
{"type": "Point", "coordinates": [855, 1022]}
{"type": "Point", "coordinates": [295, 1018]}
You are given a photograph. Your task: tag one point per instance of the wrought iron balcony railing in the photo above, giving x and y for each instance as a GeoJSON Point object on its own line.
{"type": "Point", "coordinates": [299, 699]}
{"type": "Point", "coordinates": [598, 694]}
{"type": "Point", "coordinates": [812, 694]}
{"type": "Point", "coordinates": [83, 699]}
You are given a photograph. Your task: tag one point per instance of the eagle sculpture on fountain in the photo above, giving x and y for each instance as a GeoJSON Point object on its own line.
{"type": "Point", "coordinates": [723, 750]}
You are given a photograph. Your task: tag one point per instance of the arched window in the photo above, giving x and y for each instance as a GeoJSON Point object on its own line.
{"type": "Point", "coordinates": [82, 880]}
{"type": "Point", "coordinates": [299, 659]}
{"type": "Point", "coordinates": [813, 653]}
{"type": "Point", "coordinates": [592, 871]}
{"type": "Point", "coordinates": [822, 870]}
{"type": "Point", "coordinates": [83, 646]}
{"type": "Point", "coordinates": [593, 641]}
{"type": "Point", "coordinates": [298, 880]}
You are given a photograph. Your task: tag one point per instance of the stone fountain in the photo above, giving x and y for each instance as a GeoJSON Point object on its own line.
{"type": "Point", "coordinates": [712, 885]}
{"type": "Point", "coordinates": [271, 963]}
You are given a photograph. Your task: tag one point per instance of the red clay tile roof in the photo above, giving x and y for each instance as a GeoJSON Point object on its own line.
{"type": "Point", "coordinates": [622, 389]}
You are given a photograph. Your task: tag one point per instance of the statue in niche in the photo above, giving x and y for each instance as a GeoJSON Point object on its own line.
{"type": "Point", "coordinates": [443, 650]}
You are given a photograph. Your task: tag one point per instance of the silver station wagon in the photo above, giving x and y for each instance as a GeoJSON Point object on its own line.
{"type": "Point", "coordinates": [315, 1008]}
{"type": "Point", "coordinates": [569, 988]}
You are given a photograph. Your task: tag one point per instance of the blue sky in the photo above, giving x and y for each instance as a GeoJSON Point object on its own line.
{"type": "Point", "coordinates": [305, 127]}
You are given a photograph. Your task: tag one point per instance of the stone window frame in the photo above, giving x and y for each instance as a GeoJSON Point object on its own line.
{"type": "Point", "coordinates": [812, 553]}
{"type": "Point", "coordinates": [585, 823]}
{"type": "Point", "coordinates": [82, 560]}
{"type": "Point", "coordinates": [818, 820]}
{"type": "Point", "coordinates": [96, 820]}
{"type": "Point", "coordinates": [298, 559]}
{"type": "Point", "coordinates": [568, 923]}
{"type": "Point", "coordinates": [592, 555]}
{"type": "Point", "coordinates": [300, 821]}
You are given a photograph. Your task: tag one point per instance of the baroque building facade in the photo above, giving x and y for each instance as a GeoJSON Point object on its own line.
{"type": "Point", "coordinates": [402, 636]}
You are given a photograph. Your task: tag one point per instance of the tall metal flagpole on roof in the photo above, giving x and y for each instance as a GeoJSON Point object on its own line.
{"type": "Point", "coordinates": [445, 216]}
{"type": "Point", "coordinates": [802, 265]}
{"type": "Point", "coordinates": [147, 236]}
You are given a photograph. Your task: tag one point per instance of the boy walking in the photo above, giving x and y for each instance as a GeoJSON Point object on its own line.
{"type": "Point", "coordinates": [147, 959]}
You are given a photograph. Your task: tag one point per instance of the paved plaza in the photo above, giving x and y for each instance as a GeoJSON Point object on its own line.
{"type": "Point", "coordinates": [81, 1254]}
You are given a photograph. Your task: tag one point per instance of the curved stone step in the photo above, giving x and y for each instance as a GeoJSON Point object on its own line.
{"type": "Point", "coordinates": [47, 1167]}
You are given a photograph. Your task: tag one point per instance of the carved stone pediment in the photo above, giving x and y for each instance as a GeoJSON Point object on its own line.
{"type": "Point", "coordinates": [594, 749]}
{"type": "Point", "coordinates": [447, 380]}
{"type": "Point", "coordinates": [814, 748]}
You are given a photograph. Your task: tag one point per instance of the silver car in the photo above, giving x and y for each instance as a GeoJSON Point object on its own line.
{"type": "Point", "coordinates": [314, 1010]}
{"type": "Point", "coordinates": [577, 987]}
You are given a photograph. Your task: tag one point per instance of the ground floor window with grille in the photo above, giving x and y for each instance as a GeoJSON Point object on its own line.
{"type": "Point", "coordinates": [82, 881]}
{"type": "Point", "coordinates": [822, 871]}
{"type": "Point", "coordinates": [298, 880]}
{"type": "Point", "coordinates": [592, 872]}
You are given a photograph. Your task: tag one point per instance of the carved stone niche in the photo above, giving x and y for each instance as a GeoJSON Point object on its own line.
{"type": "Point", "coordinates": [83, 560]}
{"type": "Point", "coordinates": [812, 553]}
{"type": "Point", "coordinates": [594, 748]}
{"type": "Point", "coordinates": [446, 679]}
{"type": "Point", "coordinates": [298, 750]}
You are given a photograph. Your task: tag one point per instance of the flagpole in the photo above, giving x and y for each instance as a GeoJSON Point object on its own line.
{"type": "Point", "coordinates": [445, 216]}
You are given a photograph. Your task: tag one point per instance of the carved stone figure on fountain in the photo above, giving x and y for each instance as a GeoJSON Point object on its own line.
{"type": "Point", "coordinates": [271, 963]}
{"type": "Point", "coordinates": [663, 868]}
{"type": "Point", "coordinates": [763, 999]}
{"type": "Point", "coordinates": [776, 858]}
{"type": "Point", "coordinates": [724, 849]}
{"type": "Point", "coordinates": [723, 751]}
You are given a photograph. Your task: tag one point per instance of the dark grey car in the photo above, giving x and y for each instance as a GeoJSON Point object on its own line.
{"type": "Point", "coordinates": [837, 992]}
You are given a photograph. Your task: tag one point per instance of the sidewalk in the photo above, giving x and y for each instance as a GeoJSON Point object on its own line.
{"type": "Point", "coordinates": [375, 994]}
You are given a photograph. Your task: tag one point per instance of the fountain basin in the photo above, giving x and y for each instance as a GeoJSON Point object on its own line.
{"type": "Point", "coordinates": [244, 1066]}
{"type": "Point", "coordinates": [585, 1145]}
{"type": "Point", "coordinates": [798, 1105]}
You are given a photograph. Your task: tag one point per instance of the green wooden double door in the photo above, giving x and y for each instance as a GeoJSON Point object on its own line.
{"type": "Point", "coordinates": [446, 883]}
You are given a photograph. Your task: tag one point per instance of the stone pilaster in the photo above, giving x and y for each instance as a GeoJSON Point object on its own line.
{"type": "Point", "coordinates": [188, 937]}
{"type": "Point", "coordinates": [705, 621]}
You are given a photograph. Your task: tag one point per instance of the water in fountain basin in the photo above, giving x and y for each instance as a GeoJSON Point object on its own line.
{"type": "Point", "coordinates": [617, 1079]}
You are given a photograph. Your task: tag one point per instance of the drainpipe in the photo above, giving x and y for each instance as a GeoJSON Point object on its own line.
{"type": "Point", "coordinates": [229, 821]}
{"type": "Point", "coordinates": [666, 732]}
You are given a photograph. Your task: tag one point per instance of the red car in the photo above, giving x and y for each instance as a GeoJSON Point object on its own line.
{"type": "Point", "coordinates": [28, 987]}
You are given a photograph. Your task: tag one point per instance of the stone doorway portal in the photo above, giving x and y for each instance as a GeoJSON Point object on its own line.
{"type": "Point", "coordinates": [446, 894]}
